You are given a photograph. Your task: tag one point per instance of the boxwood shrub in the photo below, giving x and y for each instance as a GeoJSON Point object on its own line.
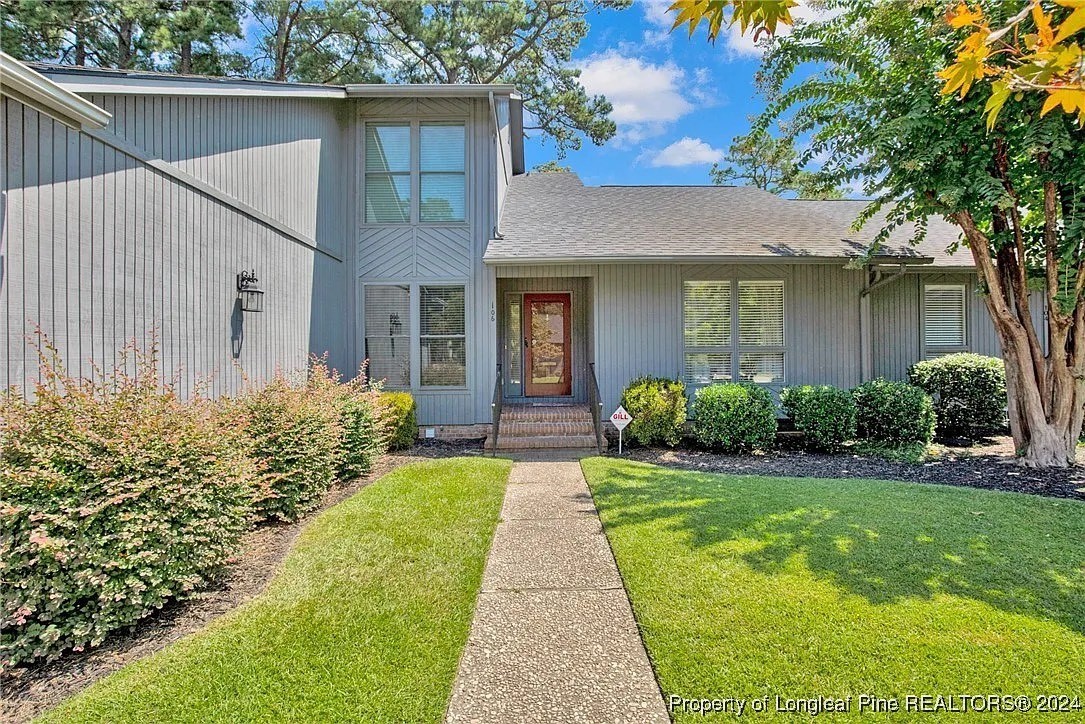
{"type": "Point", "coordinates": [399, 409]}
{"type": "Point", "coordinates": [893, 413]}
{"type": "Point", "coordinates": [295, 436]}
{"type": "Point", "coordinates": [658, 408]}
{"type": "Point", "coordinates": [969, 392]}
{"type": "Point", "coordinates": [117, 496]}
{"type": "Point", "coordinates": [734, 417]}
{"type": "Point", "coordinates": [824, 414]}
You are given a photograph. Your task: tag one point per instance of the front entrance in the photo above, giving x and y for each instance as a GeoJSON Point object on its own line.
{"type": "Point", "coordinates": [548, 370]}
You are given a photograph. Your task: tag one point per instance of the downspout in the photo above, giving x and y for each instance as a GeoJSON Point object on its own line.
{"type": "Point", "coordinates": [873, 279]}
{"type": "Point", "coordinates": [501, 152]}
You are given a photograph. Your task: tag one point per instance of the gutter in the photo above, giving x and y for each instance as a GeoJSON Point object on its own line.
{"type": "Point", "coordinates": [37, 91]}
{"type": "Point", "coordinates": [501, 152]}
{"type": "Point", "coordinates": [699, 259]}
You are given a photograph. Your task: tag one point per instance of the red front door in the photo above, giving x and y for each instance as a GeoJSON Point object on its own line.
{"type": "Point", "coordinates": [547, 330]}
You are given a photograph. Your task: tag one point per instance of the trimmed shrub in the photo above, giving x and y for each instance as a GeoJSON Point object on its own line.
{"type": "Point", "coordinates": [969, 392]}
{"type": "Point", "coordinates": [824, 414]}
{"type": "Point", "coordinates": [362, 425]}
{"type": "Point", "coordinates": [658, 408]}
{"type": "Point", "coordinates": [893, 413]}
{"type": "Point", "coordinates": [295, 436]}
{"type": "Point", "coordinates": [117, 497]}
{"type": "Point", "coordinates": [402, 424]}
{"type": "Point", "coordinates": [734, 417]}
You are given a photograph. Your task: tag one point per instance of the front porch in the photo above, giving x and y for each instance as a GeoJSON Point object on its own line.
{"type": "Point", "coordinates": [544, 342]}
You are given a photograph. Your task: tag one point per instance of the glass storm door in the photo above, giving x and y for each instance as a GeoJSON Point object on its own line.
{"type": "Point", "coordinates": [547, 368]}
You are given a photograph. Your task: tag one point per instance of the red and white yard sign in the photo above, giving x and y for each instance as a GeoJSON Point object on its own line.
{"type": "Point", "coordinates": [620, 419]}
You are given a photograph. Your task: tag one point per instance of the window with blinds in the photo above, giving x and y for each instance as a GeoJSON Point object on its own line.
{"type": "Point", "coordinates": [441, 169]}
{"type": "Point", "coordinates": [404, 159]}
{"type": "Point", "coordinates": [388, 333]}
{"type": "Point", "coordinates": [712, 352]}
{"type": "Point", "coordinates": [944, 313]}
{"type": "Point", "coordinates": [388, 173]}
{"type": "Point", "coordinates": [707, 332]}
{"type": "Point", "coordinates": [443, 336]}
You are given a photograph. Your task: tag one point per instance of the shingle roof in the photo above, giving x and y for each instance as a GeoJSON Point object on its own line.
{"type": "Point", "coordinates": [551, 217]}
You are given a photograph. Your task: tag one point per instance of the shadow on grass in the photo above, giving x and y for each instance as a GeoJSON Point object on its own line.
{"type": "Point", "coordinates": [883, 541]}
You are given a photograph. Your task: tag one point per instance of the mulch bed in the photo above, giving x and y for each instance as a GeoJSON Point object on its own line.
{"type": "Point", "coordinates": [988, 465]}
{"type": "Point", "coordinates": [32, 690]}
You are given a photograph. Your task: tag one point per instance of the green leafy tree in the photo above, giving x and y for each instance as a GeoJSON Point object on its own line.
{"type": "Point", "coordinates": [528, 43]}
{"type": "Point", "coordinates": [192, 35]}
{"type": "Point", "coordinates": [771, 164]}
{"type": "Point", "coordinates": [105, 33]}
{"type": "Point", "coordinates": [551, 166]}
{"type": "Point", "coordinates": [876, 108]}
{"type": "Point", "coordinates": [315, 42]}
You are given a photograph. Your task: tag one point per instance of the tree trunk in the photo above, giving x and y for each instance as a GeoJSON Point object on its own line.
{"type": "Point", "coordinates": [185, 63]}
{"type": "Point", "coordinates": [1046, 393]}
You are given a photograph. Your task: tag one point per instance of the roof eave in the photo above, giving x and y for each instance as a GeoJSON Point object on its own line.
{"type": "Point", "coordinates": [28, 86]}
{"type": "Point", "coordinates": [504, 260]}
{"type": "Point", "coordinates": [91, 83]}
{"type": "Point", "coordinates": [428, 90]}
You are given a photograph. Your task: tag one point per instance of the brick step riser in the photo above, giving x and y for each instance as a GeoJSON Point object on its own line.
{"type": "Point", "coordinates": [546, 414]}
{"type": "Point", "coordinates": [517, 428]}
{"type": "Point", "coordinates": [542, 442]}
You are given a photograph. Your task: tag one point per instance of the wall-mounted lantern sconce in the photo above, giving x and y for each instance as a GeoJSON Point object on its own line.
{"type": "Point", "coordinates": [252, 297]}
{"type": "Point", "coordinates": [394, 328]}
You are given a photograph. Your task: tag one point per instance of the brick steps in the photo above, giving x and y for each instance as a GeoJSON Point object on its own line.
{"type": "Point", "coordinates": [536, 427]}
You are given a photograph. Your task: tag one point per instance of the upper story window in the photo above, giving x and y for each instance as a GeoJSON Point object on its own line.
{"type": "Point", "coordinates": [713, 310]}
{"type": "Point", "coordinates": [415, 172]}
{"type": "Point", "coordinates": [945, 309]}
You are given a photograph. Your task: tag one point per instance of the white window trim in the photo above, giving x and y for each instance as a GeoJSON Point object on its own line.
{"type": "Point", "coordinates": [413, 285]}
{"type": "Point", "coordinates": [929, 349]}
{"type": "Point", "coordinates": [415, 170]}
{"type": "Point", "coordinates": [736, 349]}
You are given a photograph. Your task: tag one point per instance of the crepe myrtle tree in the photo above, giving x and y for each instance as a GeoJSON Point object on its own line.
{"type": "Point", "coordinates": [972, 113]}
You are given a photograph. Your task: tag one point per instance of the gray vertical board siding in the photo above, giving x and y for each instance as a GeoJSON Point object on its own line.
{"type": "Point", "coordinates": [99, 248]}
{"type": "Point", "coordinates": [283, 156]}
{"type": "Point", "coordinates": [439, 253]}
{"type": "Point", "coordinates": [579, 288]}
{"type": "Point", "coordinates": [898, 315]}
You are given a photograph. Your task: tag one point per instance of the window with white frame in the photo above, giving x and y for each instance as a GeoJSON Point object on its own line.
{"type": "Point", "coordinates": [713, 351]}
{"type": "Point", "coordinates": [388, 333]}
{"type": "Point", "coordinates": [443, 336]}
{"type": "Point", "coordinates": [441, 170]}
{"type": "Point", "coordinates": [388, 173]}
{"type": "Point", "coordinates": [945, 313]}
{"type": "Point", "coordinates": [415, 171]}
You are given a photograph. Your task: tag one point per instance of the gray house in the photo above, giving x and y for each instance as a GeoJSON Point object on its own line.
{"type": "Point", "coordinates": [395, 224]}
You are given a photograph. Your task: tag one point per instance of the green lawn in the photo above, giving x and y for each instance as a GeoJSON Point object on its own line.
{"type": "Point", "coordinates": [751, 587]}
{"type": "Point", "coordinates": [365, 621]}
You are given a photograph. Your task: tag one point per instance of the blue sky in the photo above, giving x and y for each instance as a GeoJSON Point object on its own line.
{"type": "Point", "coordinates": [677, 101]}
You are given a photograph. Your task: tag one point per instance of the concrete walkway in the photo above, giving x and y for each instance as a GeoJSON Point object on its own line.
{"type": "Point", "coordinates": [553, 639]}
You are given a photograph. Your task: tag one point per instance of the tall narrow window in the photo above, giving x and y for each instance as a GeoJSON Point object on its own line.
{"type": "Point", "coordinates": [443, 336]}
{"type": "Point", "coordinates": [944, 313]}
{"type": "Point", "coordinates": [388, 173]}
{"type": "Point", "coordinates": [388, 333]}
{"type": "Point", "coordinates": [441, 170]}
{"type": "Point", "coordinates": [761, 331]}
{"type": "Point", "coordinates": [707, 332]}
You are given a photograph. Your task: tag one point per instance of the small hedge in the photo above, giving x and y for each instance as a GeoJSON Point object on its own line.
{"type": "Point", "coordinates": [969, 392]}
{"type": "Point", "coordinates": [399, 408]}
{"type": "Point", "coordinates": [117, 497]}
{"type": "Point", "coordinates": [295, 433]}
{"type": "Point", "coordinates": [734, 417]}
{"type": "Point", "coordinates": [658, 408]}
{"type": "Point", "coordinates": [824, 414]}
{"type": "Point", "coordinates": [893, 413]}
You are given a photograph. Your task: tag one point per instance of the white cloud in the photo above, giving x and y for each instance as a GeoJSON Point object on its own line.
{"type": "Point", "coordinates": [686, 152]}
{"type": "Point", "coordinates": [646, 97]}
{"type": "Point", "coordinates": [659, 21]}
